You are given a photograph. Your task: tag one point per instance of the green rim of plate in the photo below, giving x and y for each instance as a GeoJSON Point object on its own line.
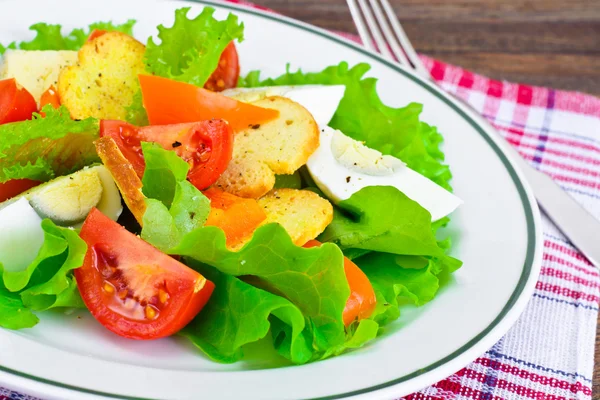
{"type": "Point", "coordinates": [527, 206]}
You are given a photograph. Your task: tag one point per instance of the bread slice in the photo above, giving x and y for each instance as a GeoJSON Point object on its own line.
{"type": "Point", "coordinates": [280, 146]}
{"type": "Point", "coordinates": [105, 78]}
{"type": "Point", "coordinates": [124, 175]}
{"type": "Point", "coordinates": [303, 214]}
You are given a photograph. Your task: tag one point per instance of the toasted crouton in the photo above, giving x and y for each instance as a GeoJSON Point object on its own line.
{"type": "Point", "coordinates": [124, 175]}
{"type": "Point", "coordinates": [105, 78]}
{"type": "Point", "coordinates": [280, 146]}
{"type": "Point", "coordinates": [303, 214]}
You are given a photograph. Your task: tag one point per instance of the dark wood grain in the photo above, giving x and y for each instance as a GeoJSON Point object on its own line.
{"type": "Point", "coordinates": [540, 42]}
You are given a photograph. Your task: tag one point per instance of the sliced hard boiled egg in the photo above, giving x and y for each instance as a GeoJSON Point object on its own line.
{"type": "Point", "coordinates": [67, 200]}
{"type": "Point", "coordinates": [36, 70]}
{"type": "Point", "coordinates": [320, 100]}
{"type": "Point", "coordinates": [21, 235]}
{"type": "Point", "coordinates": [342, 166]}
{"type": "Point", "coordinates": [110, 203]}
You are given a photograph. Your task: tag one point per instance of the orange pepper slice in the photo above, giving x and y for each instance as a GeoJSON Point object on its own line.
{"type": "Point", "coordinates": [237, 216]}
{"type": "Point", "coordinates": [172, 102]}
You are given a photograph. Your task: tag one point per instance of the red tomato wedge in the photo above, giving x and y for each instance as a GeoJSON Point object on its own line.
{"type": "Point", "coordinates": [237, 216]}
{"type": "Point", "coordinates": [96, 33]}
{"type": "Point", "coordinates": [133, 289]}
{"type": "Point", "coordinates": [15, 187]}
{"type": "Point", "coordinates": [227, 73]}
{"type": "Point", "coordinates": [16, 103]}
{"type": "Point", "coordinates": [171, 102]}
{"type": "Point", "coordinates": [362, 300]}
{"type": "Point", "coordinates": [207, 146]}
{"type": "Point", "coordinates": [51, 97]}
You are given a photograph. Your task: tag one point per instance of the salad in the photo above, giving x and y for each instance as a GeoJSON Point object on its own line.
{"type": "Point", "coordinates": [153, 185]}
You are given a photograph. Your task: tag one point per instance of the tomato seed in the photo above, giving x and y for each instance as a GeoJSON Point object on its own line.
{"type": "Point", "coordinates": [108, 287]}
{"type": "Point", "coordinates": [150, 312]}
{"type": "Point", "coordinates": [163, 296]}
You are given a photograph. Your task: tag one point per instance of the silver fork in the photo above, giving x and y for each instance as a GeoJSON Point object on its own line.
{"type": "Point", "coordinates": [381, 32]}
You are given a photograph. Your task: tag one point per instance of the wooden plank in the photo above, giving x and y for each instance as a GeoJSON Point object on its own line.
{"type": "Point", "coordinates": [537, 42]}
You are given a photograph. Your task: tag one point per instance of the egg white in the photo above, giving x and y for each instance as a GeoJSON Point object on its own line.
{"type": "Point", "coordinates": [21, 235]}
{"type": "Point", "coordinates": [320, 100]}
{"type": "Point", "coordinates": [340, 180]}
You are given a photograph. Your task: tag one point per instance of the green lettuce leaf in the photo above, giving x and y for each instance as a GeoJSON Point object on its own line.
{"type": "Point", "coordinates": [49, 36]}
{"type": "Point", "coordinates": [239, 313]}
{"type": "Point", "coordinates": [45, 147]}
{"type": "Point", "coordinates": [359, 333]}
{"type": "Point", "coordinates": [136, 113]}
{"type": "Point", "coordinates": [425, 156]}
{"type": "Point", "coordinates": [57, 288]}
{"type": "Point", "coordinates": [311, 279]}
{"type": "Point", "coordinates": [400, 280]}
{"type": "Point", "coordinates": [174, 207]}
{"type": "Point", "coordinates": [13, 314]}
{"type": "Point", "coordinates": [383, 219]}
{"type": "Point", "coordinates": [46, 283]}
{"type": "Point", "coordinates": [190, 50]}
{"type": "Point", "coordinates": [164, 170]}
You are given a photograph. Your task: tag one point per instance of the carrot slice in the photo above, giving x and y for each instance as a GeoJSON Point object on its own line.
{"type": "Point", "coordinates": [237, 216]}
{"type": "Point", "coordinates": [172, 102]}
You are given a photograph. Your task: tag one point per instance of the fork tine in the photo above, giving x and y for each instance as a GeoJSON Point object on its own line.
{"type": "Point", "coordinates": [363, 32]}
{"type": "Point", "coordinates": [374, 28]}
{"type": "Point", "coordinates": [411, 54]}
{"type": "Point", "coordinates": [389, 35]}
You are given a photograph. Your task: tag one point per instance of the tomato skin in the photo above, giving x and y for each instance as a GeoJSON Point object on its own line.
{"type": "Point", "coordinates": [207, 146]}
{"type": "Point", "coordinates": [228, 71]}
{"type": "Point", "coordinates": [15, 187]}
{"type": "Point", "coordinates": [119, 262]}
{"type": "Point", "coordinates": [126, 137]}
{"type": "Point", "coordinates": [171, 102]}
{"type": "Point", "coordinates": [362, 300]}
{"type": "Point", "coordinates": [16, 103]}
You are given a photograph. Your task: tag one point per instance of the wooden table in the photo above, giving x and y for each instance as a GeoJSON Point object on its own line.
{"type": "Point", "coordinates": [540, 42]}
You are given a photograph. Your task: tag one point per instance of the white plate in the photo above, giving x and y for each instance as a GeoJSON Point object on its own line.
{"type": "Point", "coordinates": [496, 232]}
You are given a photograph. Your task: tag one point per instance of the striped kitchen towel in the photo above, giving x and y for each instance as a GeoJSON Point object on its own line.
{"type": "Point", "coordinates": [549, 353]}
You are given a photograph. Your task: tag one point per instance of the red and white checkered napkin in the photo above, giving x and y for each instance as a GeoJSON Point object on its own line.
{"type": "Point", "coordinates": [549, 353]}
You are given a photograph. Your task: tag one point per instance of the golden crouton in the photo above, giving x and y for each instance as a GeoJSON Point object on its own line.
{"type": "Point", "coordinates": [303, 214]}
{"type": "Point", "coordinates": [124, 175]}
{"type": "Point", "coordinates": [280, 146]}
{"type": "Point", "coordinates": [105, 78]}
